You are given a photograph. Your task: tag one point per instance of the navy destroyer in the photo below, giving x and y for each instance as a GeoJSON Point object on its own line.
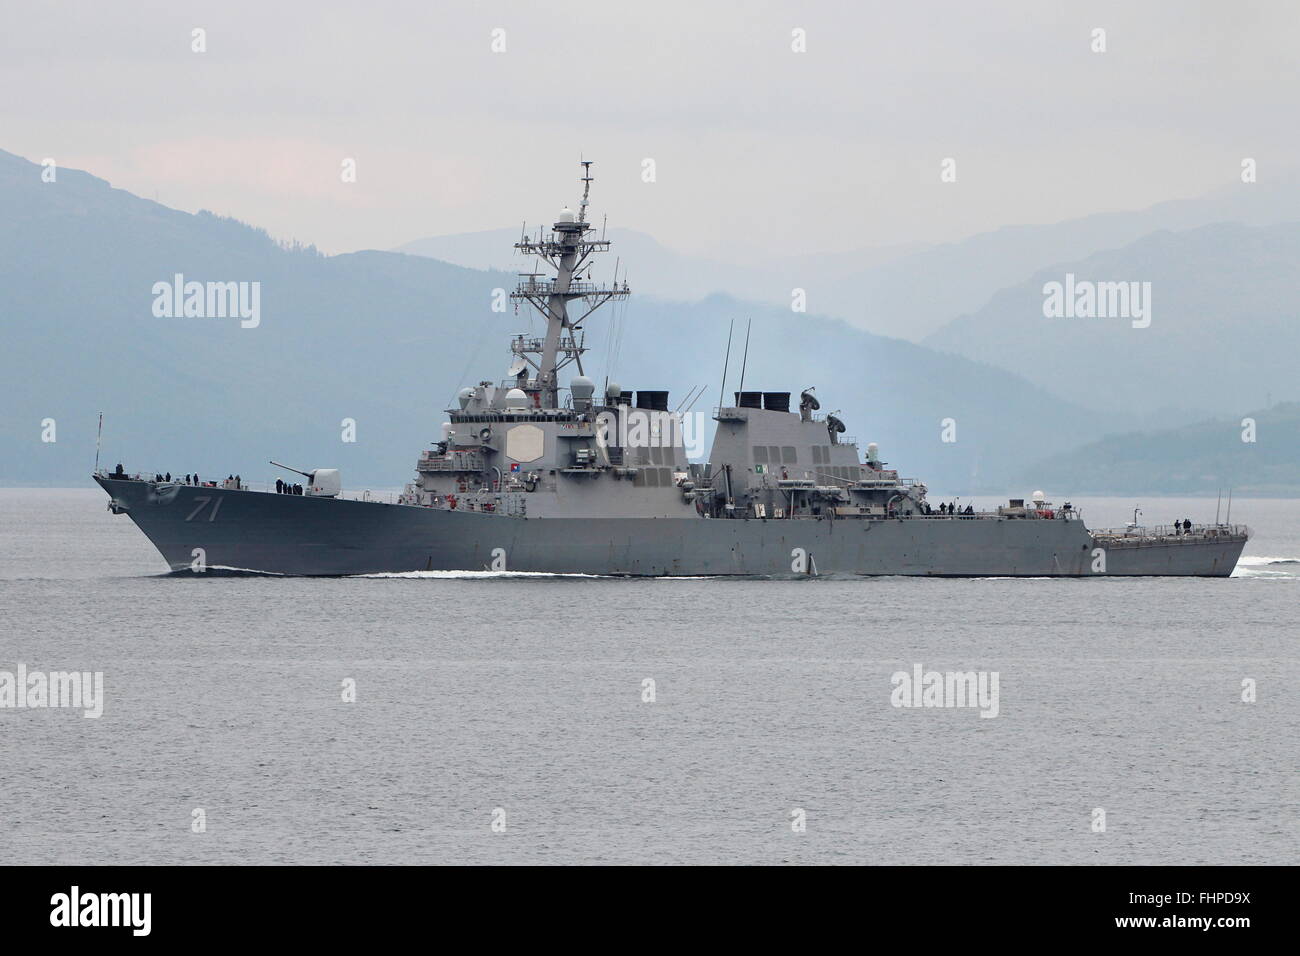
{"type": "Point", "coordinates": [530, 475]}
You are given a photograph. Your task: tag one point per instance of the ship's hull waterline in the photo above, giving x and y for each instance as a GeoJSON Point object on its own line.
{"type": "Point", "coordinates": [301, 535]}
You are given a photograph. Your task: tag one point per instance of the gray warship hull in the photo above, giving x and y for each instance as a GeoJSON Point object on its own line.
{"type": "Point", "coordinates": [301, 535]}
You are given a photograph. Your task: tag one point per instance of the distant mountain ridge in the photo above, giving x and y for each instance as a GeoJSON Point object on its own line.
{"type": "Point", "coordinates": [907, 291]}
{"type": "Point", "coordinates": [385, 339]}
{"type": "Point", "coordinates": [1224, 327]}
{"type": "Point", "coordinates": [1254, 454]}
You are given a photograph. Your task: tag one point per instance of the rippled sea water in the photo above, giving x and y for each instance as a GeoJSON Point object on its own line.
{"type": "Point", "coordinates": [524, 694]}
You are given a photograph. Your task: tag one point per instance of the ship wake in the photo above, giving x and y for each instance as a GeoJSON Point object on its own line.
{"type": "Point", "coordinates": [1269, 567]}
{"type": "Point", "coordinates": [477, 575]}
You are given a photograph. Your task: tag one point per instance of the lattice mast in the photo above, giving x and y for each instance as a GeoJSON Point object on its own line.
{"type": "Point", "coordinates": [566, 250]}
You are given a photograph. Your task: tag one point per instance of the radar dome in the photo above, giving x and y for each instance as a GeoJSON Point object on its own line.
{"type": "Point", "coordinates": [566, 215]}
{"type": "Point", "coordinates": [515, 398]}
{"type": "Point", "coordinates": [1039, 497]}
{"type": "Point", "coordinates": [464, 395]}
{"type": "Point", "coordinates": [581, 388]}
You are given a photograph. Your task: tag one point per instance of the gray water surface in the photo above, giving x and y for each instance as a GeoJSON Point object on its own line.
{"type": "Point", "coordinates": [524, 693]}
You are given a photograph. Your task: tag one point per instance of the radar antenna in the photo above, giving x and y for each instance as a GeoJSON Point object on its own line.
{"type": "Point", "coordinates": [565, 250]}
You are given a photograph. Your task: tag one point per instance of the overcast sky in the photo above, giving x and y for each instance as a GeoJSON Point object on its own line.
{"type": "Point", "coordinates": [756, 147]}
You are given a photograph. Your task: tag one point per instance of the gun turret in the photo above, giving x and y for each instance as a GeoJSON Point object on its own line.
{"type": "Point", "coordinates": [321, 482]}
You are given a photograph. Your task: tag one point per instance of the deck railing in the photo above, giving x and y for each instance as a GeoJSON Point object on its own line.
{"type": "Point", "coordinates": [1164, 531]}
{"type": "Point", "coordinates": [547, 287]}
{"type": "Point", "coordinates": [258, 487]}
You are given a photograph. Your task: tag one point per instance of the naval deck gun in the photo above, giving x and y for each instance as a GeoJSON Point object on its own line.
{"type": "Point", "coordinates": [321, 482]}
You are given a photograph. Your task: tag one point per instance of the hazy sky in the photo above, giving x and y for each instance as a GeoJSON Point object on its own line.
{"type": "Point", "coordinates": [756, 146]}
